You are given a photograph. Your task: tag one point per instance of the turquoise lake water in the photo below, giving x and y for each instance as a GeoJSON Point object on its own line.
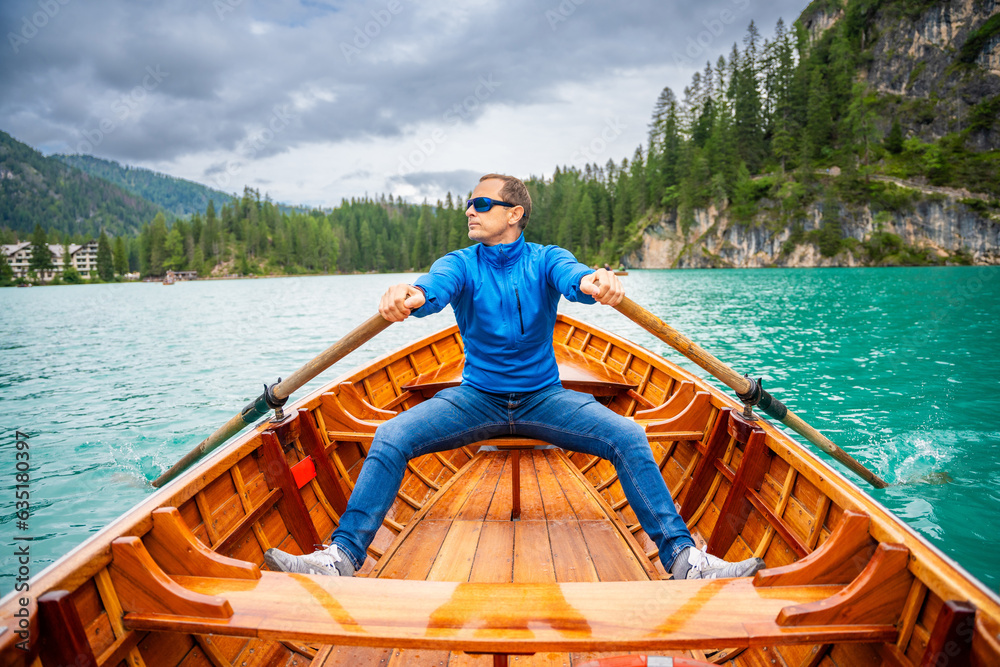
{"type": "Point", "coordinates": [114, 383]}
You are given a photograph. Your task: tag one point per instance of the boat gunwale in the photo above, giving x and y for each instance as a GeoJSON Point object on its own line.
{"type": "Point", "coordinates": [930, 565]}
{"type": "Point", "coordinates": [883, 520]}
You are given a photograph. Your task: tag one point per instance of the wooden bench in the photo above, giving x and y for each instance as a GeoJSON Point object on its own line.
{"type": "Point", "coordinates": [169, 581]}
{"type": "Point", "coordinates": [488, 618]}
{"type": "Point", "coordinates": [577, 371]}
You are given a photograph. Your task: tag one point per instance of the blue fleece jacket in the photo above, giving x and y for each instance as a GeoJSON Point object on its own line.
{"type": "Point", "coordinates": [505, 299]}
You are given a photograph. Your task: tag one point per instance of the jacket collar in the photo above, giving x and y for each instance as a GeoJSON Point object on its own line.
{"type": "Point", "coordinates": [502, 254]}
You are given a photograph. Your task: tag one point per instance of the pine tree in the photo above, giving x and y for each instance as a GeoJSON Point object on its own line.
{"type": "Point", "coordinates": [6, 272]}
{"type": "Point", "coordinates": [105, 262]}
{"type": "Point", "coordinates": [703, 125]}
{"type": "Point", "coordinates": [121, 256]}
{"type": "Point", "coordinates": [783, 142]}
{"type": "Point", "coordinates": [720, 81]}
{"type": "Point", "coordinates": [366, 246]}
{"type": "Point", "coordinates": [860, 122]}
{"type": "Point", "coordinates": [622, 214]}
{"type": "Point", "coordinates": [588, 225]}
{"type": "Point", "coordinates": [638, 190]}
{"type": "Point", "coordinates": [41, 258]}
{"type": "Point", "coordinates": [458, 228]}
{"type": "Point", "coordinates": [743, 204]}
{"type": "Point", "coordinates": [818, 120]}
{"type": "Point", "coordinates": [894, 140]}
{"type": "Point", "coordinates": [210, 233]}
{"type": "Point", "coordinates": [840, 72]}
{"type": "Point", "coordinates": [565, 237]}
{"type": "Point", "coordinates": [157, 241]}
{"type": "Point", "coordinates": [197, 263]}
{"type": "Point", "coordinates": [421, 247]}
{"type": "Point", "coordinates": [173, 250]}
{"type": "Point", "coordinates": [748, 131]}
{"type": "Point", "coordinates": [664, 162]}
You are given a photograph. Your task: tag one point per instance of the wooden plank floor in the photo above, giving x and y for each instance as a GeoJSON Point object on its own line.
{"type": "Point", "coordinates": [465, 533]}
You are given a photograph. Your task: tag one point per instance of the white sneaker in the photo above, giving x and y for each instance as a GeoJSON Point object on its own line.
{"type": "Point", "coordinates": [329, 561]}
{"type": "Point", "coordinates": [694, 564]}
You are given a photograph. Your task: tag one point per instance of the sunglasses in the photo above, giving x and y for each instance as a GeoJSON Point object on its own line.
{"type": "Point", "coordinates": [483, 204]}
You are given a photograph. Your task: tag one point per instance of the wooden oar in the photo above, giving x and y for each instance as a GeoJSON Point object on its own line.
{"type": "Point", "coordinates": [276, 395]}
{"type": "Point", "coordinates": [745, 388]}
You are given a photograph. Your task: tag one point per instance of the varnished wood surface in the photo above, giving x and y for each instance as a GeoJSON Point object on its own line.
{"type": "Point", "coordinates": [563, 534]}
{"type": "Point", "coordinates": [577, 371]}
{"type": "Point", "coordinates": [489, 617]}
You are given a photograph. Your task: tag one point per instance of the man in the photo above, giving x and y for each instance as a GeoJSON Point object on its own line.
{"type": "Point", "coordinates": [504, 292]}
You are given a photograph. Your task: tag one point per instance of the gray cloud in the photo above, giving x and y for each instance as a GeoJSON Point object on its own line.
{"type": "Point", "coordinates": [340, 70]}
{"type": "Point", "coordinates": [459, 182]}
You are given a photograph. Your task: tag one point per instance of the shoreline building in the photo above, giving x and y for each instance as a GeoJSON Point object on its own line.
{"type": "Point", "coordinates": [82, 257]}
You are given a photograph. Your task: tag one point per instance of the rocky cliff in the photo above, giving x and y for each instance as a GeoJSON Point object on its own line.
{"type": "Point", "coordinates": [931, 65]}
{"type": "Point", "coordinates": [935, 228]}
{"type": "Point", "coordinates": [939, 60]}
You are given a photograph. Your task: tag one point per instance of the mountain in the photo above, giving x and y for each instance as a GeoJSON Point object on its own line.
{"type": "Point", "coordinates": [869, 134]}
{"type": "Point", "coordinates": [933, 66]}
{"type": "Point", "coordinates": [175, 195]}
{"type": "Point", "coordinates": [35, 189]}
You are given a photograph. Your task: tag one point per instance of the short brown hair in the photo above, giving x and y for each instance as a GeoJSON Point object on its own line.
{"type": "Point", "coordinates": [513, 192]}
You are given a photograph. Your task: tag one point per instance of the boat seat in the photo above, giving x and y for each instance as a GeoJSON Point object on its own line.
{"type": "Point", "coordinates": [577, 371]}
{"type": "Point", "coordinates": [169, 581]}
{"type": "Point", "coordinates": [678, 400]}
{"type": "Point", "coordinates": [492, 617]}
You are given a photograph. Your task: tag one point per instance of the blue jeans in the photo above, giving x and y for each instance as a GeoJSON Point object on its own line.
{"type": "Point", "coordinates": [462, 415]}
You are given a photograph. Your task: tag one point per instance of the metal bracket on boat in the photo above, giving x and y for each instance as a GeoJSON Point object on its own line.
{"type": "Point", "coordinates": [757, 396]}
{"type": "Point", "coordinates": [274, 402]}
{"type": "Point", "coordinates": [751, 397]}
{"type": "Point", "coordinates": [259, 406]}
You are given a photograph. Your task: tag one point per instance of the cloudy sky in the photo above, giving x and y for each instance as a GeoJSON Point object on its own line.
{"type": "Point", "coordinates": [313, 101]}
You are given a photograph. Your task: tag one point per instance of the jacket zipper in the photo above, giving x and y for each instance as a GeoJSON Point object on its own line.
{"type": "Point", "coordinates": [519, 316]}
{"type": "Point", "coordinates": [506, 269]}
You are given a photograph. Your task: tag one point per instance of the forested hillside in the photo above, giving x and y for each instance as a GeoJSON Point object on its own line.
{"type": "Point", "coordinates": [38, 190]}
{"type": "Point", "coordinates": [800, 140]}
{"type": "Point", "coordinates": [175, 195]}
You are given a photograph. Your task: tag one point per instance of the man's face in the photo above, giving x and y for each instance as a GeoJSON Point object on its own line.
{"type": "Point", "coordinates": [496, 225]}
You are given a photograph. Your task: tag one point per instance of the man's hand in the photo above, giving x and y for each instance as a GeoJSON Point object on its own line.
{"type": "Point", "coordinates": [397, 302]}
{"type": "Point", "coordinates": [604, 286]}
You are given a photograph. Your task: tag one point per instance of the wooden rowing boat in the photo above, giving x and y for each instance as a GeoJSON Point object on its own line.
{"type": "Point", "coordinates": [505, 552]}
